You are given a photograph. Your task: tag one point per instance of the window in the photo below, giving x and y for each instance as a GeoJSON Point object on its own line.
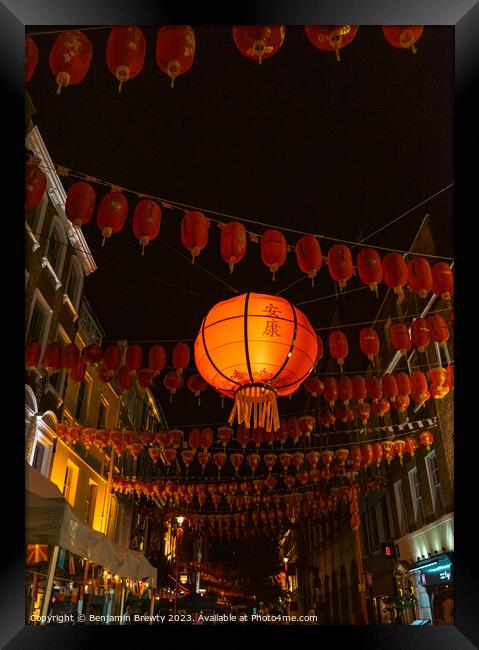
{"type": "Point", "coordinates": [82, 400]}
{"type": "Point", "coordinates": [401, 510]}
{"type": "Point", "coordinates": [38, 324]}
{"type": "Point", "coordinates": [54, 249]}
{"type": "Point", "coordinates": [434, 483]}
{"type": "Point", "coordinates": [416, 497]}
{"type": "Point", "coordinates": [70, 482]}
{"type": "Point", "coordinates": [385, 519]}
{"type": "Point", "coordinates": [90, 503]}
{"type": "Point", "coordinates": [38, 456]}
{"type": "Point", "coordinates": [374, 527]}
{"type": "Point", "coordinates": [75, 281]}
{"type": "Point", "coordinates": [57, 380]}
{"type": "Point", "coordinates": [35, 218]}
{"type": "Point", "coordinates": [102, 415]}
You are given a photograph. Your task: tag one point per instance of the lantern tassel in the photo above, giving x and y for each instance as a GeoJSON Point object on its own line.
{"type": "Point", "coordinates": [120, 86]}
{"type": "Point", "coordinates": [336, 50]}
{"type": "Point", "coordinates": [413, 48]}
{"type": "Point", "coordinates": [59, 89]}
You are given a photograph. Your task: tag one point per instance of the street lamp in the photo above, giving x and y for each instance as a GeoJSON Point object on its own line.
{"type": "Point", "coordinates": [179, 534]}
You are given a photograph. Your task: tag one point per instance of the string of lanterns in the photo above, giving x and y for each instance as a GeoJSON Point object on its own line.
{"type": "Point", "coordinates": [109, 359]}
{"type": "Point", "coordinates": [72, 52]}
{"type": "Point", "coordinates": [417, 274]}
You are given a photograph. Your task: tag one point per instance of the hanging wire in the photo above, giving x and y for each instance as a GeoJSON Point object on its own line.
{"type": "Point", "coordinates": [168, 203]}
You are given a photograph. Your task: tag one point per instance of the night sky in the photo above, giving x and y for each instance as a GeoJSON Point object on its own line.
{"type": "Point", "coordinates": [303, 142]}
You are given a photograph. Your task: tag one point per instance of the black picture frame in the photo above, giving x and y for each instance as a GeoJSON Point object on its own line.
{"type": "Point", "coordinates": [463, 15]}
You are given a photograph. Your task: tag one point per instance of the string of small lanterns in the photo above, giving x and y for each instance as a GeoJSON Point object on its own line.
{"type": "Point", "coordinates": [72, 52]}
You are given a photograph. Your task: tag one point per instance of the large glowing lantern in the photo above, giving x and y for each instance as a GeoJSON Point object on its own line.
{"type": "Point", "coordinates": [253, 348]}
{"type": "Point", "coordinates": [125, 52]}
{"type": "Point", "coordinates": [258, 42]}
{"type": "Point", "coordinates": [331, 38]}
{"type": "Point", "coordinates": [70, 58]}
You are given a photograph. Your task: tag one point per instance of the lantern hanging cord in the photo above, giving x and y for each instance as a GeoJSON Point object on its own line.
{"type": "Point", "coordinates": [169, 204]}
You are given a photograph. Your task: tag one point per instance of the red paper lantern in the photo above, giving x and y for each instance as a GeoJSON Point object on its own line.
{"type": "Point", "coordinates": [125, 53]}
{"type": "Point", "coordinates": [367, 454]}
{"type": "Point", "coordinates": [112, 214]}
{"type": "Point", "coordinates": [258, 42]}
{"type": "Point", "coordinates": [31, 58]}
{"type": "Point", "coordinates": [319, 356]}
{"type": "Point", "coordinates": [362, 411]}
{"type": "Point", "coordinates": [438, 376]}
{"type": "Point", "coordinates": [125, 379]}
{"type": "Point", "coordinates": [253, 461]}
{"type": "Point", "coordinates": [175, 50]}
{"type": "Point", "coordinates": [70, 356]}
{"type": "Point", "coordinates": [426, 439]}
{"type": "Point", "coordinates": [327, 418]}
{"type": "Point", "coordinates": [439, 392]}
{"type": "Point", "coordinates": [70, 58]}
{"type": "Point", "coordinates": [390, 387]}
{"type": "Point", "coordinates": [389, 450]}
{"type": "Point", "coordinates": [400, 338]}
{"type": "Point", "coordinates": [80, 203]}
{"type": "Point", "coordinates": [438, 328]}
{"type": "Point", "coordinates": [146, 377]}
{"type": "Point", "coordinates": [156, 358]}
{"type": "Point", "coordinates": [155, 453]}
{"type": "Point", "coordinates": [418, 382]}
{"type": "Point", "coordinates": [377, 453]}
{"type": "Point", "coordinates": [35, 186]}
{"type": "Point", "coordinates": [360, 391]}
{"type": "Point", "coordinates": [344, 413]}
{"type": "Point", "coordinates": [197, 385]}
{"type": "Point", "coordinates": [273, 250]}
{"type": "Point", "coordinates": [442, 280]}
{"type": "Point", "coordinates": [403, 383]}
{"type": "Point", "coordinates": [254, 347]}
{"type": "Point", "coordinates": [340, 264]}
{"type": "Point", "coordinates": [33, 351]}
{"type": "Point", "coordinates": [173, 381]}
{"type": "Point", "coordinates": [369, 342]}
{"type": "Point", "coordinates": [345, 389]}
{"type": "Point", "coordinates": [403, 36]}
{"type": "Point", "coordinates": [92, 353]}
{"type": "Point", "coordinates": [330, 390]}
{"type": "Point", "coordinates": [243, 435]}
{"type": "Point", "coordinates": [381, 407]}
{"type": "Point", "coordinates": [181, 357]}
{"type": "Point", "coordinates": [52, 358]}
{"type": "Point", "coordinates": [294, 430]}
{"type": "Point", "coordinates": [314, 385]}
{"type": "Point", "coordinates": [410, 445]}
{"type": "Point", "coordinates": [134, 357]}
{"type": "Point", "coordinates": [420, 335]}
{"type": "Point", "coordinates": [419, 276]}
{"type": "Point", "coordinates": [374, 388]}
{"type": "Point", "coordinates": [331, 38]}
{"type": "Point", "coordinates": [146, 222]}
{"type": "Point", "coordinates": [338, 346]}
{"type": "Point", "coordinates": [233, 243]}
{"type": "Point", "coordinates": [194, 233]}
{"type": "Point", "coordinates": [400, 403]}
{"type": "Point", "coordinates": [237, 459]}
{"type": "Point", "coordinates": [395, 273]}
{"type": "Point", "coordinates": [309, 256]}
{"type": "Point", "coordinates": [112, 359]}
{"type": "Point", "coordinates": [219, 459]}
{"type": "Point", "coordinates": [370, 268]}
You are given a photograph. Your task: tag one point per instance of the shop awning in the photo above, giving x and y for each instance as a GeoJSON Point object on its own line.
{"type": "Point", "coordinates": [49, 519]}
